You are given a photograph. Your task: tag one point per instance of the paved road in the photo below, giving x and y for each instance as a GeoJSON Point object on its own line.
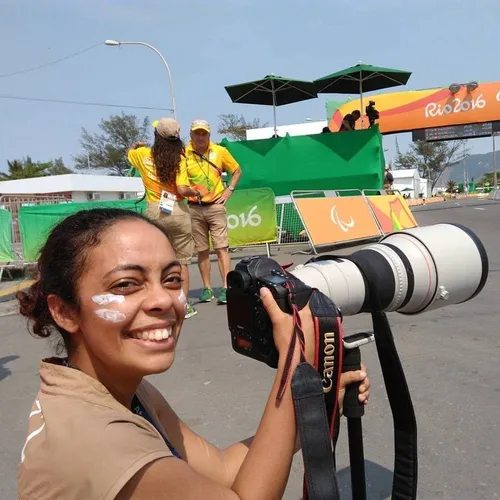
{"type": "Point", "coordinates": [450, 357]}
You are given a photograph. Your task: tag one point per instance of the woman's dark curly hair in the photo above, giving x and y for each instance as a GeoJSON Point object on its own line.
{"type": "Point", "coordinates": [62, 263]}
{"type": "Point", "coordinates": [167, 155]}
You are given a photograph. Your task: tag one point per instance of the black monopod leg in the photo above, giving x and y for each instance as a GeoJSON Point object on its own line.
{"type": "Point", "coordinates": [353, 410]}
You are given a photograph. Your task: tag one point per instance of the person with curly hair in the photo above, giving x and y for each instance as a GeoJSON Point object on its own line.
{"type": "Point", "coordinates": [109, 291]}
{"type": "Point", "coordinates": [159, 169]}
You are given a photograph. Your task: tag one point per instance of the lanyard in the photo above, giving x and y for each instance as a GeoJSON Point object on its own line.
{"type": "Point", "coordinates": [138, 409]}
{"type": "Point", "coordinates": [203, 159]}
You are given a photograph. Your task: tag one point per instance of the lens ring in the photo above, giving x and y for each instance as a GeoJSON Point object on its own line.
{"type": "Point", "coordinates": [399, 270]}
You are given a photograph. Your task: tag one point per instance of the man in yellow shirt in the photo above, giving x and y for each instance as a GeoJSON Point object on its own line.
{"type": "Point", "coordinates": [159, 168]}
{"type": "Point", "coordinates": [200, 181]}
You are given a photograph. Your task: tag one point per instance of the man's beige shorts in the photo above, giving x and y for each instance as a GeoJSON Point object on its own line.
{"type": "Point", "coordinates": [178, 228]}
{"type": "Point", "coordinates": [209, 220]}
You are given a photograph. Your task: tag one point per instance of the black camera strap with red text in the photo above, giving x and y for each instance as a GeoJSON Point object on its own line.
{"type": "Point", "coordinates": [315, 391]}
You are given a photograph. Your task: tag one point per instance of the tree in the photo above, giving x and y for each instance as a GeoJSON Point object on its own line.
{"type": "Point", "coordinates": [27, 168]}
{"type": "Point", "coordinates": [108, 150]}
{"type": "Point", "coordinates": [431, 158]}
{"type": "Point", "coordinates": [451, 186]}
{"type": "Point", "coordinates": [488, 177]}
{"type": "Point", "coordinates": [235, 127]}
{"type": "Point", "coordinates": [57, 167]}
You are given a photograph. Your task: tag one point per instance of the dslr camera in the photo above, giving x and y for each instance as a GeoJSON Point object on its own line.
{"type": "Point", "coordinates": [249, 323]}
{"type": "Point", "coordinates": [409, 272]}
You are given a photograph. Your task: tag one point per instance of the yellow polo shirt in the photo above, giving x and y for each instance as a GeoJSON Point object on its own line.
{"type": "Point", "coordinates": [141, 159]}
{"type": "Point", "coordinates": [197, 173]}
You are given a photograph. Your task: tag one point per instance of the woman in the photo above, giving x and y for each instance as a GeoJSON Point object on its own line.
{"type": "Point", "coordinates": [110, 288]}
{"type": "Point", "coordinates": [159, 167]}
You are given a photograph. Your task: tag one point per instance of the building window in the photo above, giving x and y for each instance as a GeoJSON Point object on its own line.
{"type": "Point", "coordinates": [126, 196]}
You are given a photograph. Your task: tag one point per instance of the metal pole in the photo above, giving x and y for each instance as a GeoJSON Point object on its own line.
{"type": "Point", "coordinates": [466, 187]}
{"type": "Point", "coordinates": [494, 163]}
{"type": "Point", "coordinates": [172, 98]}
{"type": "Point", "coordinates": [361, 98]}
{"type": "Point", "coordinates": [274, 106]}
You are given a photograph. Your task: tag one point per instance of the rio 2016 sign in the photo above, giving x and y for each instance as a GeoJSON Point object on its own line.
{"type": "Point", "coordinates": [456, 106]}
{"type": "Point", "coordinates": [251, 219]}
{"type": "Point", "coordinates": [419, 109]}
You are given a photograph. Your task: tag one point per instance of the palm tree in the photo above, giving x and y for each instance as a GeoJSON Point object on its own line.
{"type": "Point", "coordinates": [25, 169]}
{"type": "Point", "coordinates": [451, 186]}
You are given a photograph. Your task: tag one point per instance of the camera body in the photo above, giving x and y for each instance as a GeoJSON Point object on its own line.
{"type": "Point", "coordinates": [249, 324]}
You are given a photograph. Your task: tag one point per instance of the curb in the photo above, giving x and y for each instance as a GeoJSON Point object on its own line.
{"type": "Point", "coordinates": [8, 294]}
{"type": "Point", "coordinates": [9, 312]}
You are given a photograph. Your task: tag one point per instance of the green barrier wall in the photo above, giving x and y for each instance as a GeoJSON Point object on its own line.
{"type": "Point", "coordinates": [347, 160]}
{"type": "Point", "coordinates": [251, 219]}
{"type": "Point", "coordinates": [6, 253]}
{"type": "Point", "coordinates": [37, 221]}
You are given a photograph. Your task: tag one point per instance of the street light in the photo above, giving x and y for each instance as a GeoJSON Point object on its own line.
{"type": "Point", "coordinates": [115, 43]}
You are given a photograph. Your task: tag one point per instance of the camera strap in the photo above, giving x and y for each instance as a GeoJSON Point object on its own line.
{"type": "Point", "coordinates": [405, 476]}
{"type": "Point", "coordinates": [315, 392]}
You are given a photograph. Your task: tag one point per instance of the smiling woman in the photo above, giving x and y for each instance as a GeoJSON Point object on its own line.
{"type": "Point", "coordinates": [110, 287]}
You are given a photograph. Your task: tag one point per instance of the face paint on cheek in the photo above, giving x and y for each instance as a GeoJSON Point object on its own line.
{"type": "Point", "coordinates": [108, 298]}
{"type": "Point", "coordinates": [110, 315]}
{"type": "Point", "coordinates": [182, 300]}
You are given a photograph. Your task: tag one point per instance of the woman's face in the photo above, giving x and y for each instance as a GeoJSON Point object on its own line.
{"type": "Point", "coordinates": [131, 304]}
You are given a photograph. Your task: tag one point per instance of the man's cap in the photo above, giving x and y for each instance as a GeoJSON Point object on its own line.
{"type": "Point", "coordinates": [167, 127]}
{"type": "Point", "coordinates": [200, 125]}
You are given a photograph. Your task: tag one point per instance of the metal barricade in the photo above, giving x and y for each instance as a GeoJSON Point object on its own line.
{"type": "Point", "coordinates": [13, 203]}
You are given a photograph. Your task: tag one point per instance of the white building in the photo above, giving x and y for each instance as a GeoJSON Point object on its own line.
{"type": "Point", "coordinates": [408, 181]}
{"type": "Point", "coordinates": [306, 128]}
{"type": "Point", "coordinates": [75, 187]}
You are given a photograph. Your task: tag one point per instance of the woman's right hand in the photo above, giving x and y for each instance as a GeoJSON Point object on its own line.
{"type": "Point", "coordinates": [283, 327]}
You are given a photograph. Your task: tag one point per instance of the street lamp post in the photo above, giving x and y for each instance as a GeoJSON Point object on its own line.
{"type": "Point", "coordinates": [115, 43]}
{"type": "Point", "coordinates": [495, 180]}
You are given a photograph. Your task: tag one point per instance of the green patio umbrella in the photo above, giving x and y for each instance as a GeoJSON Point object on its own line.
{"type": "Point", "coordinates": [361, 78]}
{"type": "Point", "coordinates": [272, 90]}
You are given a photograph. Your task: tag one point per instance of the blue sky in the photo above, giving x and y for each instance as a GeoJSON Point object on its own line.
{"type": "Point", "coordinates": [212, 44]}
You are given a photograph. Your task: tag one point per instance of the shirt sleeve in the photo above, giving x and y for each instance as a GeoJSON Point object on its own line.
{"type": "Point", "coordinates": [136, 157]}
{"type": "Point", "coordinates": [228, 162]}
{"type": "Point", "coordinates": [133, 447]}
{"type": "Point", "coordinates": [182, 178]}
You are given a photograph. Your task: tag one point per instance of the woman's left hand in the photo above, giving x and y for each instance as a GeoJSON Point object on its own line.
{"type": "Point", "coordinates": [350, 378]}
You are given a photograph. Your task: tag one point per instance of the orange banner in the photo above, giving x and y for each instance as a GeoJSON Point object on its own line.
{"type": "Point", "coordinates": [336, 220]}
{"type": "Point", "coordinates": [392, 212]}
{"type": "Point", "coordinates": [418, 109]}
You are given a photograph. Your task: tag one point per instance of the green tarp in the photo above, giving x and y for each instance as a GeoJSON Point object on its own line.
{"type": "Point", "coordinates": [347, 160]}
{"type": "Point", "coordinates": [36, 222]}
{"type": "Point", "coordinates": [251, 219]}
{"type": "Point", "coordinates": [6, 253]}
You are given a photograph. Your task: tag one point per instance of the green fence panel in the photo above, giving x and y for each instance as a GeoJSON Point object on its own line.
{"type": "Point", "coordinates": [6, 253]}
{"type": "Point", "coordinates": [37, 221]}
{"type": "Point", "coordinates": [251, 217]}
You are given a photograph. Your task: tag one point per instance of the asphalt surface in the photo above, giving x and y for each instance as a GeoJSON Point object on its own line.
{"type": "Point", "coordinates": [450, 357]}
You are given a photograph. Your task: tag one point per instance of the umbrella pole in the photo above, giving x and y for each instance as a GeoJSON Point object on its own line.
{"type": "Point", "coordinates": [361, 99]}
{"type": "Point", "coordinates": [274, 107]}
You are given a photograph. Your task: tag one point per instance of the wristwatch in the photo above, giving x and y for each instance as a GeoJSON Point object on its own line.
{"type": "Point", "coordinates": [231, 188]}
